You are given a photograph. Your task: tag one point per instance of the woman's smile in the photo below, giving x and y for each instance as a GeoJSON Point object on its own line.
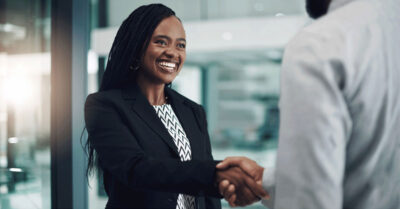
{"type": "Point", "coordinates": [168, 66]}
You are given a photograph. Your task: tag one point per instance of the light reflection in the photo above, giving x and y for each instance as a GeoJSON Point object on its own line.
{"type": "Point", "coordinates": [18, 90]}
{"type": "Point", "coordinates": [13, 140]}
{"type": "Point", "coordinates": [15, 170]}
{"type": "Point", "coordinates": [3, 189]}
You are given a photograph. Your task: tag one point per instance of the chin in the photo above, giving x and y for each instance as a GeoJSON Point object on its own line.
{"type": "Point", "coordinates": [168, 81]}
{"type": "Point", "coordinates": [168, 78]}
{"type": "Point", "coordinates": [165, 79]}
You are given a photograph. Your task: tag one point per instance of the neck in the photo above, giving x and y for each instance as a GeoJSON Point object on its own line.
{"type": "Point", "coordinates": [153, 92]}
{"type": "Point", "coordinates": [337, 4]}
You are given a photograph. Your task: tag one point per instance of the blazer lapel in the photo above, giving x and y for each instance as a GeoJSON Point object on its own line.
{"type": "Point", "coordinates": [146, 112]}
{"type": "Point", "coordinates": [186, 117]}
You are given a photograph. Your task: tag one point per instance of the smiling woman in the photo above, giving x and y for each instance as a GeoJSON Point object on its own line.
{"type": "Point", "coordinates": [164, 56]}
{"type": "Point", "coordinates": [150, 142]}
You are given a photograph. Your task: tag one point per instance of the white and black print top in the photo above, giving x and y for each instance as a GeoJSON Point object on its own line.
{"type": "Point", "coordinates": [171, 123]}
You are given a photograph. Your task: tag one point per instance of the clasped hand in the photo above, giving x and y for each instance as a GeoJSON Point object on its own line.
{"type": "Point", "coordinates": [239, 180]}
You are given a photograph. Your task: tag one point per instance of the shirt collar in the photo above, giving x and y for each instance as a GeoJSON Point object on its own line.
{"type": "Point", "coordinates": [337, 4]}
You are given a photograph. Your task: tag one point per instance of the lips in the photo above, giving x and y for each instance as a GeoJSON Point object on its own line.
{"type": "Point", "coordinates": [168, 66]}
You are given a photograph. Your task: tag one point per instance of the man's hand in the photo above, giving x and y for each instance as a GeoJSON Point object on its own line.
{"type": "Point", "coordinates": [239, 195]}
{"type": "Point", "coordinates": [250, 167]}
{"type": "Point", "coordinates": [238, 188]}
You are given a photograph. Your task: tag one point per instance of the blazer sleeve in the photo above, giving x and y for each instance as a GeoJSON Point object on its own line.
{"type": "Point", "coordinates": [211, 202]}
{"type": "Point", "coordinates": [120, 154]}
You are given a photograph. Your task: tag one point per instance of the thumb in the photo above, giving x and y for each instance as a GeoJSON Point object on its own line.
{"type": "Point", "coordinates": [222, 165]}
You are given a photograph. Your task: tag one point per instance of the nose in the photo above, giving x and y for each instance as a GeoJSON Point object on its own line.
{"type": "Point", "coordinates": [171, 53]}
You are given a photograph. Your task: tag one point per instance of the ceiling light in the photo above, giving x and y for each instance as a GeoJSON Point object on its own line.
{"type": "Point", "coordinates": [228, 36]}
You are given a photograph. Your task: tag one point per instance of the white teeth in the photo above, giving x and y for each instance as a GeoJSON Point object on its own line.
{"type": "Point", "coordinates": [168, 64]}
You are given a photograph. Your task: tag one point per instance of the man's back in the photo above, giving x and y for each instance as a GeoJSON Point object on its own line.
{"type": "Point", "coordinates": [340, 130]}
{"type": "Point", "coordinates": [372, 172]}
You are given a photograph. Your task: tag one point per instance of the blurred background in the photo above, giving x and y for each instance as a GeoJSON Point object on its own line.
{"type": "Point", "coordinates": [234, 53]}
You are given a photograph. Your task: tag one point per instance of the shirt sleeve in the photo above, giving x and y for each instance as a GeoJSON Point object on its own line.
{"type": "Point", "coordinates": [314, 125]}
{"type": "Point", "coordinates": [268, 183]}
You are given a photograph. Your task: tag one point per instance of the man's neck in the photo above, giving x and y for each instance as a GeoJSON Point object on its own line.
{"type": "Point", "coordinates": [337, 4]}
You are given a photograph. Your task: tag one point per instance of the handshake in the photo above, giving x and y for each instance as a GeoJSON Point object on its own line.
{"type": "Point", "coordinates": [239, 180]}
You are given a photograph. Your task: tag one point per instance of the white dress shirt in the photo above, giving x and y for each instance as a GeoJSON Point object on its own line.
{"type": "Point", "coordinates": [339, 140]}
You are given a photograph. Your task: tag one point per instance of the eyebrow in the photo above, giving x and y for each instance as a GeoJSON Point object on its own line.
{"type": "Point", "coordinates": [167, 37]}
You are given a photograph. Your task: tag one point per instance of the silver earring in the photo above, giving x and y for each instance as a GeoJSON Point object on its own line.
{"type": "Point", "coordinates": [135, 65]}
{"type": "Point", "coordinates": [134, 68]}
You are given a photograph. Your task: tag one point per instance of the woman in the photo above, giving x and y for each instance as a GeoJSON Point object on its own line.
{"type": "Point", "coordinates": [150, 142]}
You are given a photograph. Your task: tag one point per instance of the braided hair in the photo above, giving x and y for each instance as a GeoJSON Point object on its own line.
{"type": "Point", "coordinates": [126, 52]}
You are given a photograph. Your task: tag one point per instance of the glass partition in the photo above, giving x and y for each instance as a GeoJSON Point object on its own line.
{"type": "Point", "coordinates": [197, 10]}
{"type": "Point", "coordinates": [24, 104]}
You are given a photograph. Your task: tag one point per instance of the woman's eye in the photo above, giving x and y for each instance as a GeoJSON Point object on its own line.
{"type": "Point", "coordinates": [161, 42]}
{"type": "Point", "coordinates": [182, 45]}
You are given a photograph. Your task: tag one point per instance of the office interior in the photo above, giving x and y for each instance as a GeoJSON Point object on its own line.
{"type": "Point", "coordinates": [234, 54]}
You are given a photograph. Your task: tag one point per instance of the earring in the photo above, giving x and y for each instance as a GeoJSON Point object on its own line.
{"type": "Point", "coordinates": [134, 68]}
{"type": "Point", "coordinates": [135, 65]}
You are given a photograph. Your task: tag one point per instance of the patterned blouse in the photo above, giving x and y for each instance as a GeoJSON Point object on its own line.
{"type": "Point", "coordinates": [171, 123]}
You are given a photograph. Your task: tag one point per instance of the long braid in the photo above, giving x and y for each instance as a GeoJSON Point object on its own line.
{"type": "Point", "coordinates": [127, 49]}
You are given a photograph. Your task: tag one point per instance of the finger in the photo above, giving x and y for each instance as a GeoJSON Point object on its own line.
{"type": "Point", "coordinates": [256, 188]}
{"type": "Point", "coordinates": [222, 165]}
{"type": "Point", "coordinates": [226, 163]}
{"type": "Point", "coordinates": [244, 194]}
{"type": "Point", "coordinates": [229, 192]}
{"type": "Point", "coordinates": [223, 186]}
{"type": "Point", "coordinates": [250, 167]}
{"type": "Point", "coordinates": [232, 200]}
{"type": "Point", "coordinates": [245, 197]}
{"type": "Point", "coordinates": [229, 161]}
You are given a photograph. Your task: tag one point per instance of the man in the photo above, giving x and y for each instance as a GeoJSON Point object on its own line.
{"type": "Point", "coordinates": [339, 144]}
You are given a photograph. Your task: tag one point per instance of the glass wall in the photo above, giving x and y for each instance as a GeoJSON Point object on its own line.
{"type": "Point", "coordinates": [24, 104]}
{"type": "Point", "coordinates": [234, 52]}
{"type": "Point", "coordinates": [196, 10]}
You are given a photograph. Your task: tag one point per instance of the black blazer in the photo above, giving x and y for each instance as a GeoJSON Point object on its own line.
{"type": "Point", "coordinates": [140, 162]}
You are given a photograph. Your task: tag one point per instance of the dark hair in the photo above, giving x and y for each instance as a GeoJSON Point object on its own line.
{"type": "Point", "coordinates": [317, 8]}
{"type": "Point", "coordinates": [126, 52]}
